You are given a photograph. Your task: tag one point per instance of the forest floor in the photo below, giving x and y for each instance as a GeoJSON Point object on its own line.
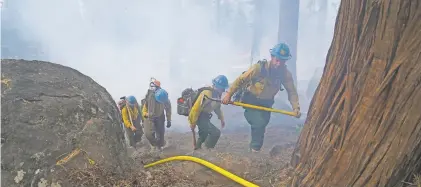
{"type": "Point", "coordinates": [266, 168]}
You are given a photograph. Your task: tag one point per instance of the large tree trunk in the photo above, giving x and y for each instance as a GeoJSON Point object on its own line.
{"type": "Point", "coordinates": [364, 123]}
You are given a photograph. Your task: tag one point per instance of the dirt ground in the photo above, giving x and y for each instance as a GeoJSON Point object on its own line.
{"type": "Point", "coordinates": [266, 168]}
{"type": "Point", "coordinates": [269, 168]}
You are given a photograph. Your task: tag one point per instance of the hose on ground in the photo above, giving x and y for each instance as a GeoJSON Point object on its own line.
{"type": "Point", "coordinates": [207, 164]}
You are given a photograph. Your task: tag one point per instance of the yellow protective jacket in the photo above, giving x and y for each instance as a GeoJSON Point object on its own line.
{"type": "Point", "coordinates": [133, 112]}
{"type": "Point", "coordinates": [203, 104]}
{"type": "Point", "coordinates": [266, 87]}
{"type": "Point", "coordinates": [152, 108]}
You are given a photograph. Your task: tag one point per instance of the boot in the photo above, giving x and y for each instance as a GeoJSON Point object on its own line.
{"type": "Point", "coordinates": [166, 145]}
{"type": "Point", "coordinates": [152, 148]}
{"type": "Point", "coordinates": [254, 151]}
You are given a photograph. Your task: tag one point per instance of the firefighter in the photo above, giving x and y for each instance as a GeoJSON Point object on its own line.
{"type": "Point", "coordinates": [131, 115]}
{"type": "Point", "coordinates": [154, 106]}
{"type": "Point", "coordinates": [201, 113]}
{"type": "Point", "coordinates": [261, 83]}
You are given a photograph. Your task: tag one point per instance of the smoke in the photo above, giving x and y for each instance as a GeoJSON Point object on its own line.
{"type": "Point", "coordinates": [122, 44]}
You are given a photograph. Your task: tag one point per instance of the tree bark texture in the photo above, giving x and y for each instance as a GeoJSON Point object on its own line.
{"type": "Point", "coordinates": [364, 123]}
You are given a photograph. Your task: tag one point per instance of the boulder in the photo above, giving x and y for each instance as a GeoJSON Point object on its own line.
{"type": "Point", "coordinates": [55, 118]}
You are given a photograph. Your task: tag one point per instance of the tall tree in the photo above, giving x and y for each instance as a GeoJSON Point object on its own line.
{"type": "Point", "coordinates": [321, 31]}
{"type": "Point", "coordinates": [364, 123]}
{"type": "Point", "coordinates": [257, 30]}
{"type": "Point", "coordinates": [288, 30]}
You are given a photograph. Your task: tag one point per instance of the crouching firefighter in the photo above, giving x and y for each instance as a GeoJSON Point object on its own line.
{"type": "Point", "coordinates": [201, 112]}
{"type": "Point", "coordinates": [260, 84]}
{"type": "Point", "coordinates": [131, 114]}
{"type": "Point", "coordinates": [154, 105]}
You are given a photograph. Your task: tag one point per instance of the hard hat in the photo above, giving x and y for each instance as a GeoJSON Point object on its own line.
{"type": "Point", "coordinates": [161, 96]}
{"type": "Point", "coordinates": [131, 100]}
{"type": "Point", "coordinates": [155, 83]}
{"type": "Point", "coordinates": [281, 51]}
{"type": "Point", "coordinates": [220, 82]}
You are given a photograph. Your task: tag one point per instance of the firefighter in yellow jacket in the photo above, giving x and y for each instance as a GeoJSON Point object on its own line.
{"type": "Point", "coordinates": [201, 113]}
{"type": "Point", "coordinates": [153, 115]}
{"type": "Point", "coordinates": [132, 118]}
{"type": "Point", "coordinates": [261, 83]}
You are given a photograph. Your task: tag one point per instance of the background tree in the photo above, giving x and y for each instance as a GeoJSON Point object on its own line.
{"type": "Point", "coordinates": [364, 123]}
{"type": "Point", "coordinates": [257, 31]}
{"type": "Point", "coordinates": [288, 30]}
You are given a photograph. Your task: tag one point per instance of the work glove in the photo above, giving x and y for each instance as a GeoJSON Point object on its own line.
{"type": "Point", "coordinates": [227, 99]}
{"type": "Point", "coordinates": [168, 124]}
{"type": "Point", "coordinates": [222, 124]}
{"type": "Point", "coordinates": [192, 126]}
{"type": "Point", "coordinates": [297, 113]}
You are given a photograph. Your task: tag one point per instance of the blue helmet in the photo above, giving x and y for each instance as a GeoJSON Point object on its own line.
{"type": "Point", "coordinates": [220, 82]}
{"type": "Point", "coordinates": [131, 100]}
{"type": "Point", "coordinates": [281, 51]}
{"type": "Point", "coordinates": [161, 96]}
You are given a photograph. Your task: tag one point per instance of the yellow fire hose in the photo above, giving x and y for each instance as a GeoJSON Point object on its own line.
{"type": "Point", "coordinates": [257, 107]}
{"type": "Point", "coordinates": [207, 164]}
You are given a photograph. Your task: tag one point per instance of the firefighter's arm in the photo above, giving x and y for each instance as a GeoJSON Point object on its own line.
{"type": "Point", "coordinates": [196, 109]}
{"type": "Point", "coordinates": [145, 110]}
{"type": "Point", "coordinates": [243, 79]}
{"type": "Point", "coordinates": [125, 116]}
{"type": "Point", "coordinates": [288, 83]}
{"type": "Point", "coordinates": [219, 113]}
{"type": "Point", "coordinates": [139, 110]}
{"type": "Point", "coordinates": [167, 107]}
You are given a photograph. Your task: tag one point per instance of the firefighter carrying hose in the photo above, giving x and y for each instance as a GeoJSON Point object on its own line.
{"type": "Point", "coordinates": [260, 84]}
{"type": "Point", "coordinates": [201, 113]}
{"type": "Point", "coordinates": [155, 104]}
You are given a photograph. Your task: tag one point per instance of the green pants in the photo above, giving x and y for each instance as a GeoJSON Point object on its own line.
{"type": "Point", "coordinates": [258, 120]}
{"type": "Point", "coordinates": [155, 130]}
{"type": "Point", "coordinates": [208, 133]}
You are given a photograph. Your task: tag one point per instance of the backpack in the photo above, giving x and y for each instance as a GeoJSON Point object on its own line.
{"type": "Point", "coordinates": [142, 103]}
{"type": "Point", "coordinates": [187, 100]}
{"type": "Point", "coordinates": [122, 103]}
{"type": "Point", "coordinates": [238, 95]}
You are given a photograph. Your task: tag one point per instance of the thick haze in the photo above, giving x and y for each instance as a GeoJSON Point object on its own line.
{"type": "Point", "coordinates": [122, 44]}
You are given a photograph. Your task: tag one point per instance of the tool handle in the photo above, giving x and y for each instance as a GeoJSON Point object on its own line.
{"type": "Point", "coordinates": [256, 107]}
{"type": "Point", "coordinates": [216, 100]}
{"type": "Point", "coordinates": [194, 139]}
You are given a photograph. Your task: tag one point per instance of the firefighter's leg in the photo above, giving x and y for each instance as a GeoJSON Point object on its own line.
{"type": "Point", "coordinates": [149, 128]}
{"type": "Point", "coordinates": [258, 121]}
{"type": "Point", "coordinates": [213, 135]}
{"type": "Point", "coordinates": [139, 130]}
{"type": "Point", "coordinates": [160, 130]}
{"type": "Point", "coordinates": [203, 126]}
